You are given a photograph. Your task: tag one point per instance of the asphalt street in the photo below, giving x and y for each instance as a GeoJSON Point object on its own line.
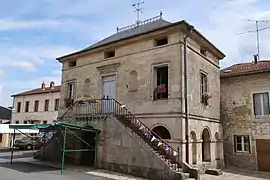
{"type": "Point", "coordinates": [23, 170]}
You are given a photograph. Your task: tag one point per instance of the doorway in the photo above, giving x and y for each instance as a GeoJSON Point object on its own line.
{"type": "Point", "coordinates": [108, 92]}
{"type": "Point", "coordinates": [109, 86]}
{"type": "Point", "coordinates": [206, 151]}
{"type": "Point", "coordinates": [88, 157]}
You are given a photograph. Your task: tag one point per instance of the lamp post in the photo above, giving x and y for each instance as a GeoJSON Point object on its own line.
{"type": "Point", "coordinates": [190, 30]}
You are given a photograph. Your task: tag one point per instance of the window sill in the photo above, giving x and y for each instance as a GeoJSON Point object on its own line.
{"type": "Point", "coordinates": [164, 99]}
{"type": "Point", "coordinates": [261, 116]}
{"type": "Point", "coordinates": [242, 154]}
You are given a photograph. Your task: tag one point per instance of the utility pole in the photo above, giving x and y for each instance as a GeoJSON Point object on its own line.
{"type": "Point", "coordinates": [257, 32]}
{"type": "Point", "coordinates": [138, 9]}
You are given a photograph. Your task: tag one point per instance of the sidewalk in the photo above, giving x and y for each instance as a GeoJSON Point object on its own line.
{"type": "Point", "coordinates": [238, 174]}
{"type": "Point", "coordinates": [82, 169]}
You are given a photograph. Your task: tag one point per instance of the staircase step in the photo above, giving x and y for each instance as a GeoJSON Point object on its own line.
{"type": "Point", "coordinates": [170, 160]}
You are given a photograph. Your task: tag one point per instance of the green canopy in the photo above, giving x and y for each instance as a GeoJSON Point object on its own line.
{"type": "Point", "coordinates": [52, 126]}
{"type": "Point", "coordinates": [58, 124]}
{"type": "Point", "coordinates": [29, 126]}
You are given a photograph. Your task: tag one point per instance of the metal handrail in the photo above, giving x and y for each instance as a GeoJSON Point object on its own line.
{"type": "Point", "coordinates": [117, 111]}
{"type": "Point", "coordinates": [152, 132]}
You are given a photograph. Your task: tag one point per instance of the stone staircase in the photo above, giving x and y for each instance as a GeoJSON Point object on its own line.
{"type": "Point", "coordinates": [160, 147]}
{"type": "Point", "coordinates": [110, 107]}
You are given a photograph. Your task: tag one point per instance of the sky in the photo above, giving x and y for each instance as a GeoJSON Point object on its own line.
{"type": "Point", "coordinates": [33, 33]}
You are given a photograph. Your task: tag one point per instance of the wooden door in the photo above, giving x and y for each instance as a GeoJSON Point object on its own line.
{"type": "Point", "coordinates": [263, 154]}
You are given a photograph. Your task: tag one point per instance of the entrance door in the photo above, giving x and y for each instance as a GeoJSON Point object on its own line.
{"type": "Point", "coordinates": [263, 153]}
{"type": "Point", "coordinates": [108, 90]}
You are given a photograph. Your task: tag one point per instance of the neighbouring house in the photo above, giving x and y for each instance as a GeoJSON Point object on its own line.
{"type": "Point", "coordinates": [141, 67]}
{"type": "Point", "coordinates": [5, 117]}
{"type": "Point", "coordinates": [36, 106]}
{"type": "Point", "coordinates": [245, 113]}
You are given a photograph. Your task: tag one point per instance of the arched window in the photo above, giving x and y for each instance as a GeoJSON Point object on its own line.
{"type": "Point", "coordinates": [206, 150]}
{"type": "Point", "coordinates": [162, 132]}
{"type": "Point", "coordinates": [218, 146]}
{"type": "Point", "coordinates": [133, 81]}
{"type": "Point", "coordinates": [194, 147]}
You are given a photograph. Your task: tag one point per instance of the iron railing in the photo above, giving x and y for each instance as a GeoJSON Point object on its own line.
{"type": "Point", "coordinates": [110, 106]}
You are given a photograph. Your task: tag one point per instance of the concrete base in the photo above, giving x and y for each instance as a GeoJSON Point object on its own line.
{"type": "Point", "coordinates": [215, 172]}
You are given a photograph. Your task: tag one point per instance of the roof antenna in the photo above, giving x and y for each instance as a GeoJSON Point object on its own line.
{"type": "Point", "coordinates": [257, 32]}
{"type": "Point", "coordinates": [139, 10]}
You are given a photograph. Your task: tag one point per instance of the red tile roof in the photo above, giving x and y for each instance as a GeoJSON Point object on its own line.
{"type": "Point", "coordinates": [39, 91]}
{"type": "Point", "coordinates": [246, 68]}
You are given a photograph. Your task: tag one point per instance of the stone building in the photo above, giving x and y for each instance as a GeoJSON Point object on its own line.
{"type": "Point", "coordinates": [37, 105]}
{"type": "Point", "coordinates": [141, 66]}
{"type": "Point", "coordinates": [245, 89]}
{"type": "Point", "coordinates": [5, 117]}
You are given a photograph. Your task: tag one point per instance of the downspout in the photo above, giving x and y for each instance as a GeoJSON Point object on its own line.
{"type": "Point", "coordinates": [190, 29]}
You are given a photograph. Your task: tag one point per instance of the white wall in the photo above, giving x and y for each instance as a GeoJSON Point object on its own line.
{"type": "Point", "coordinates": [41, 115]}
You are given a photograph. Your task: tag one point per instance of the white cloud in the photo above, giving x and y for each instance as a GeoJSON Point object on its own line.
{"type": "Point", "coordinates": [11, 24]}
{"type": "Point", "coordinates": [19, 65]}
{"type": "Point", "coordinates": [84, 21]}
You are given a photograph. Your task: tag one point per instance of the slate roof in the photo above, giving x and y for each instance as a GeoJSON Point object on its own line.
{"type": "Point", "coordinates": [39, 91]}
{"type": "Point", "coordinates": [137, 31]}
{"type": "Point", "coordinates": [246, 68]}
{"type": "Point", "coordinates": [5, 113]}
{"type": "Point", "coordinates": [131, 32]}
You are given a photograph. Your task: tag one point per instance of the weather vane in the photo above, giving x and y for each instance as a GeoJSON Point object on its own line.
{"type": "Point", "coordinates": [138, 9]}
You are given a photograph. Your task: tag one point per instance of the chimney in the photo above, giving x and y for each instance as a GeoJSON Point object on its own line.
{"type": "Point", "coordinates": [52, 85]}
{"type": "Point", "coordinates": [256, 58]}
{"type": "Point", "coordinates": [43, 85]}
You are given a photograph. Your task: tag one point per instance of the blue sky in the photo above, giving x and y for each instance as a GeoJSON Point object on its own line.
{"type": "Point", "coordinates": [33, 33]}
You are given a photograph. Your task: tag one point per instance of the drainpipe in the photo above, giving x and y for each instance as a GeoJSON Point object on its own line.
{"type": "Point", "coordinates": [190, 29]}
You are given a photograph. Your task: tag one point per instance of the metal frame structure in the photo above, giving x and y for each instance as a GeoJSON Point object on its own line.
{"type": "Point", "coordinates": [58, 126]}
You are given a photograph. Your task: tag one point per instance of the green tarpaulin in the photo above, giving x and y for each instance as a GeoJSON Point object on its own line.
{"type": "Point", "coordinates": [64, 127]}
{"type": "Point", "coordinates": [51, 126]}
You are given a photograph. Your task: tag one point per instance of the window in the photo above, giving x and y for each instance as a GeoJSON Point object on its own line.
{"type": "Point", "coordinates": [27, 106]}
{"type": "Point", "coordinates": [203, 51]}
{"type": "Point", "coordinates": [44, 122]}
{"type": "Point", "coordinates": [24, 122]}
{"type": "Point", "coordinates": [56, 104]}
{"type": "Point", "coordinates": [19, 107]}
{"type": "Point", "coordinates": [16, 122]}
{"type": "Point", "coordinates": [203, 84]}
{"type": "Point", "coordinates": [46, 106]}
{"type": "Point", "coordinates": [36, 106]}
{"type": "Point", "coordinates": [162, 80]}
{"type": "Point", "coordinates": [242, 144]}
{"type": "Point", "coordinates": [70, 90]}
{"type": "Point", "coordinates": [72, 63]}
{"type": "Point", "coordinates": [161, 42]}
{"type": "Point", "coordinates": [109, 54]}
{"type": "Point", "coordinates": [261, 104]}
{"type": "Point", "coordinates": [1, 137]}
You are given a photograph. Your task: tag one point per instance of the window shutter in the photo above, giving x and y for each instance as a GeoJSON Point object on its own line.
{"type": "Point", "coordinates": [266, 103]}
{"type": "Point", "coordinates": [257, 104]}
{"type": "Point", "coordinates": [235, 144]}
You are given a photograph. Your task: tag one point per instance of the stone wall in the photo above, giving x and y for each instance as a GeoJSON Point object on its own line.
{"type": "Point", "coordinates": [139, 54]}
{"type": "Point", "coordinates": [124, 152]}
{"type": "Point", "coordinates": [238, 116]}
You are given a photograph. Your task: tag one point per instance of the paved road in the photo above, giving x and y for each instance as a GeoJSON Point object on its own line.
{"type": "Point", "coordinates": [23, 168]}
{"type": "Point", "coordinates": [29, 171]}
